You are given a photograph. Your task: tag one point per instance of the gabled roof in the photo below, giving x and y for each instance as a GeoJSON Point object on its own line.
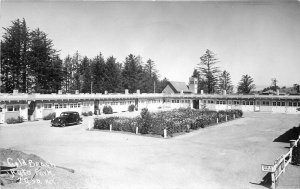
{"type": "Point", "coordinates": [179, 86]}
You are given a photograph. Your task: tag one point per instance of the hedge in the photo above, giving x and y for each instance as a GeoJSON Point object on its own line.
{"type": "Point", "coordinates": [175, 121]}
{"type": "Point", "coordinates": [15, 120]}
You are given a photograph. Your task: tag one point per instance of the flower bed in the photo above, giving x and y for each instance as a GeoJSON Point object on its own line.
{"type": "Point", "coordinates": [175, 121]}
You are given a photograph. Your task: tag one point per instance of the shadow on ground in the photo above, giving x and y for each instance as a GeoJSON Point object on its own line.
{"type": "Point", "coordinates": [266, 181]}
{"type": "Point", "coordinates": [291, 134]}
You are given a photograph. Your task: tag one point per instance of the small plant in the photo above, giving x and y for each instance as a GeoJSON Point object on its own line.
{"type": "Point", "coordinates": [131, 108]}
{"type": "Point", "coordinates": [15, 120]}
{"type": "Point", "coordinates": [107, 110]}
{"type": "Point", "coordinates": [49, 116]}
{"type": "Point", "coordinates": [85, 114]}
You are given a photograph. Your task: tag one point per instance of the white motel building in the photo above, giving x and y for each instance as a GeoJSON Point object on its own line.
{"type": "Point", "coordinates": [175, 95]}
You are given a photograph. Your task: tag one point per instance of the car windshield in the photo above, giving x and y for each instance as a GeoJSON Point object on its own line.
{"type": "Point", "coordinates": [64, 114]}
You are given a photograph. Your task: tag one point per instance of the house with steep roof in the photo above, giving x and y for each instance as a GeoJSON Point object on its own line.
{"type": "Point", "coordinates": [174, 87]}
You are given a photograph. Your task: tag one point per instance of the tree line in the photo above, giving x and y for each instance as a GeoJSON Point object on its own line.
{"type": "Point", "coordinates": [211, 79]}
{"type": "Point", "coordinates": [30, 64]}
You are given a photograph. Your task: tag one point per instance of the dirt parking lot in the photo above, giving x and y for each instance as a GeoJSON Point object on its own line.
{"type": "Point", "coordinates": [228, 155]}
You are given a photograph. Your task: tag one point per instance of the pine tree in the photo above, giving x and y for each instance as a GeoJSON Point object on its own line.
{"type": "Point", "coordinates": [85, 75]}
{"type": "Point", "coordinates": [132, 73]}
{"type": "Point", "coordinates": [225, 83]}
{"type": "Point", "coordinates": [45, 64]}
{"type": "Point", "coordinates": [113, 80]}
{"type": "Point", "coordinates": [246, 85]}
{"type": "Point", "coordinates": [14, 57]}
{"type": "Point", "coordinates": [98, 74]}
{"type": "Point", "coordinates": [208, 71]}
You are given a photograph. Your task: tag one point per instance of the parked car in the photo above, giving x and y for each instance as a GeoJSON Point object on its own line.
{"type": "Point", "coordinates": [66, 118]}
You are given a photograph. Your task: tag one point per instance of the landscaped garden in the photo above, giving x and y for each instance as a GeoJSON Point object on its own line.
{"type": "Point", "coordinates": [175, 121]}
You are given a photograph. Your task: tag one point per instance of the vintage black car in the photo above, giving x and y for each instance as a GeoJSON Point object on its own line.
{"type": "Point", "coordinates": [66, 118]}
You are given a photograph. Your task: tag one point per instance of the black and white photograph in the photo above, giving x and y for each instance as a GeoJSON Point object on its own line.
{"type": "Point", "coordinates": [161, 94]}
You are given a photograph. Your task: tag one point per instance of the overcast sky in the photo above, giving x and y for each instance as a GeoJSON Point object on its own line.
{"type": "Point", "coordinates": [259, 39]}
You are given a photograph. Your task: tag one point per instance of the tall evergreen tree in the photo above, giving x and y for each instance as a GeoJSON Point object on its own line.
{"type": "Point", "coordinates": [151, 76]}
{"type": "Point", "coordinates": [246, 84]}
{"type": "Point", "coordinates": [98, 74]}
{"type": "Point", "coordinates": [75, 72]}
{"type": "Point", "coordinates": [113, 80]}
{"type": "Point", "coordinates": [85, 75]}
{"type": "Point", "coordinates": [44, 63]}
{"type": "Point", "coordinates": [208, 71]}
{"type": "Point", "coordinates": [14, 56]}
{"type": "Point", "coordinates": [132, 73]}
{"type": "Point", "coordinates": [225, 82]}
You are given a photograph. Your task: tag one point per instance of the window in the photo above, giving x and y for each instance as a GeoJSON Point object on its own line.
{"type": "Point", "coordinates": [13, 108]}
{"type": "Point", "coordinates": [294, 103]}
{"type": "Point", "coordinates": [10, 108]}
{"type": "Point", "coordinates": [71, 105]}
{"type": "Point", "coordinates": [290, 103]}
{"type": "Point", "coordinates": [278, 103]}
{"type": "Point", "coordinates": [16, 107]}
{"type": "Point", "coordinates": [274, 103]}
{"type": "Point", "coordinates": [251, 102]}
{"type": "Point", "coordinates": [218, 102]}
{"type": "Point", "coordinates": [282, 103]}
{"type": "Point", "coordinates": [60, 105]}
{"type": "Point", "coordinates": [244, 103]}
{"type": "Point", "coordinates": [299, 104]}
{"type": "Point", "coordinates": [65, 105]}
{"type": "Point", "coordinates": [47, 106]}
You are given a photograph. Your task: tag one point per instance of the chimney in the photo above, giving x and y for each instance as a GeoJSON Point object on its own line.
{"type": "Point", "coordinates": [277, 92]}
{"type": "Point", "coordinates": [105, 92]}
{"type": "Point", "coordinates": [138, 91]}
{"type": "Point", "coordinates": [193, 85]}
{"type": "Point", "coordinates": [76, 91]}
{"type": "Point", "coordinates": [15, 91]}
{"type": "Point", "coordinates": [202, 92]}
{"type": "Point", "coordinates": [224, 92]}
{"type": "Point", "coordinates": [126, 91]}
{"type": "Point", "coordinates": [59, 92]}
{"type": "Point", "coordinates": [181, 92]}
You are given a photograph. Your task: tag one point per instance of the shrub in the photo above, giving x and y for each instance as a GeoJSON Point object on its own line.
{"type": "Point", "coordinates": [85, 114]}
{"type": "Point", "coordinates": [145, 123]}
{"type": "Point", "coordinates": [103, 124]}
{"type": "Point", "coordinates": [15, 120]}
{"type": "Point", "coordinates": [49, 116]}
{"type": "Point", "coordinates": [107, 110]}
{"type": "Point", "coordinates": [90, 113]}
{"type": "Point", "coordinates": [131, 108]}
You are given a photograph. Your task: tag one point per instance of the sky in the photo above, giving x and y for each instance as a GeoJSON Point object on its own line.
{"type": "Point", "coordinates": [254, 38]}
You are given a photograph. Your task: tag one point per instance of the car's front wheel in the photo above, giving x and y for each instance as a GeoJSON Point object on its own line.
{"type": "Point", "coordinates": [63, 124]}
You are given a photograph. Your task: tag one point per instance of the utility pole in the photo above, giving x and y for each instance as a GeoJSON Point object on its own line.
{"type": "Point", "coordinates": [154, 87]}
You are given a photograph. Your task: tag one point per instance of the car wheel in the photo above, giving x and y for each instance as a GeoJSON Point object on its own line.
{"type": "Point", "coordinates": [63, 125]}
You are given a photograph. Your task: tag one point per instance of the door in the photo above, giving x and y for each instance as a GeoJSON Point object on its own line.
{"type": "Point", "coordinates": [257, 106]}
{"type": "Point", "coordinates": [24, 111]}
{"type": "Point", "coordinates": [2, 114]}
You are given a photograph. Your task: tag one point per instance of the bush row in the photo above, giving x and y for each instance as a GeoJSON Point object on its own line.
{"type": "Point", "coordinates": [175, 121]}
{"type": "Point", "coordinates": [15, 120]}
